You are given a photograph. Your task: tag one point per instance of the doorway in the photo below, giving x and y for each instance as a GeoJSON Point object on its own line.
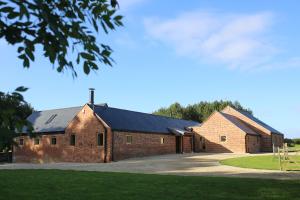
{"type": "Point", "coordinates": [202, 146]}
{"type": "Point", "coordinates": [178, 144]}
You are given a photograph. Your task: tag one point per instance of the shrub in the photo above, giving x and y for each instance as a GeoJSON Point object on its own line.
{"type": "Point", "coordinates": [296, 140]}
{"type": "Point", "coordinates": [289, 142]}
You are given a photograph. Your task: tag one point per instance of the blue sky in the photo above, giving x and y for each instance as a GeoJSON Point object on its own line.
{"type": "Point", "coordinates": [184, 52]}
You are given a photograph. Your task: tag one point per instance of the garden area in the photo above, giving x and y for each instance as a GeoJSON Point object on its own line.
{"type": "Point", "coordinates": [56, 184]}
{"type": "Point", "coordinates": [269, 162]}
{"type": "Point", "coordinates": [293, 144]}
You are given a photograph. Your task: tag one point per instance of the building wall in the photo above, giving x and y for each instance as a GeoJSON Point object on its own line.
{"type": "Point", "coordinates": [187, 144]}
{"type": "Point", "coordinates": [143, 144]}
{"type": "Point", "coordinates": [266, 136]}
{"type": "Point", "coordinates": [85, 126]}
{"type": "Point", "coordinates": [278, 140]}
{"type": "Point", "coordinates": [252, 144]}
{"type": "Point", "coordinates": [215, 127]}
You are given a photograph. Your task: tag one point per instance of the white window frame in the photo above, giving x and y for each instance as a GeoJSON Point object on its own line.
{"type": "Point", "coordinates": [162, 140]}
{"type": "Point", "coordinates": [130, 140]}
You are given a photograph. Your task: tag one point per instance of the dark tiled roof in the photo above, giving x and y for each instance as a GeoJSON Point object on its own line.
{"type": "Point", "coordinates": [55, 120]}
{"type": "Point", "coordinates": [266, 126]}
{"type": "Point", "coordinates": [125, 120]}
{"type": "Point", "coordinates": [239, 124]}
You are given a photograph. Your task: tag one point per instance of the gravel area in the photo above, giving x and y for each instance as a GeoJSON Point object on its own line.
{"type": "Point", "coordinates": [194, 164]}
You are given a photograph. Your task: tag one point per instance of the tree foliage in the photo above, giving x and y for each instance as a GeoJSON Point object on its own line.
{"type": "Point", "coordinates": [60, 27]}
{"type": "Point", "coordinates": [13, 113]}
{"type": "Point", "coordinates": [199, 111]}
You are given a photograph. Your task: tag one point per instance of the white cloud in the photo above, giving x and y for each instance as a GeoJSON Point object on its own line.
{"type": "Point", "coordinates": [237, 41]}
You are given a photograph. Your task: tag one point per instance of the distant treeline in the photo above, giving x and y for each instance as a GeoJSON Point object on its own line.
{"type": "Point", "coordinates": [292, 142]}
{"type": "Point", "coordinates": [199, 111]}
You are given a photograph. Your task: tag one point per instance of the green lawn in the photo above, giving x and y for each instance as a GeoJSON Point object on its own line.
{"type": "Point", "coordinates": [261, 162]}
{"type": "Point", "coordinates": [55, 184]}
{"type": "Point", "coordinates": [295, 148]}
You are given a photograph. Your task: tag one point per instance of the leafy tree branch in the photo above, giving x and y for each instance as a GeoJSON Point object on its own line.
{"type": "Point", "coordinates": [62, 28]}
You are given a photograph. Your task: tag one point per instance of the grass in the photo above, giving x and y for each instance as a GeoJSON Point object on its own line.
{"type": "Point", "coordinates": [262, 162]}
{"type": "Point", "coordinates": [295, 148]}
{"type": "Point", "coordinates": [56, 184]}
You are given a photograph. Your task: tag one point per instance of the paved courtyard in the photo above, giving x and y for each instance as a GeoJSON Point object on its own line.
{"type": "Point", "coordinates": [194, 164]}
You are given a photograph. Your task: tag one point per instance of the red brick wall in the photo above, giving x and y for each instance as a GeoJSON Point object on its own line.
{"type": "Point", "coordinates": [266, 138]}
{"type": "Point", "coordinates": [85, 126]}
{"type": "Point", "coordinates": [215, 127]}
{"type": "Point", "coordinates": [187, 144]}
{"type": "Point", "coordinates": [143, 144]}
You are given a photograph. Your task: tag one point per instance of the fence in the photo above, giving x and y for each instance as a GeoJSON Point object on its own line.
{"type": "Point", "coordinates": [5, 157]}
{"type": "Point", "coordinates": [284, 159]}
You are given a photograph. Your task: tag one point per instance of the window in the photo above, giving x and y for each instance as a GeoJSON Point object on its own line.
{"type": "Point", "coordinates": [100, 139]}
{"type": "Point", "coordinates": [53, 141]}
{"type": "Point", "coordinates": [162, 140]}
{"type": "Point", "coordinates": [50, 119]}
{"type": "Point", "coordinates": [72, 140]}
{"type": "Point", "coordinates": [36, 141]}
{"type": "Point", "coordinates": [21, 141]}
{"type": "Point", "coordinates": [128, 139]}
{"type": "Point", "coordinates": [223, 138]}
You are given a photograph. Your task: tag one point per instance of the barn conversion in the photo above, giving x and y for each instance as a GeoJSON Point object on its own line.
{"type": "Point", "coordinates": [232, 130]}
{"type": "Point", "coordinates": [99, 133]}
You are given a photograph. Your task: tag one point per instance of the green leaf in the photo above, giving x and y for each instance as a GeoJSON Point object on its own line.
{"type": "Point", "coordinates": [12, 15]}
{"type": "Point", "coordinates": [20, 49]}
{"type": "Point", "coordinates": [86, 68]}
{"type": "Point", "coordinates": [87, 56]}
{"type": "Point", "coordinates": [21, 89]}
{"type": "Point", "coordinates": [95, 24]}
{"type": "Point", "coordinates": [6, 9]}
{"type": "Point", "coordinates": [29, 54]}
{"type": "Point", "coordinates": [26, 63]}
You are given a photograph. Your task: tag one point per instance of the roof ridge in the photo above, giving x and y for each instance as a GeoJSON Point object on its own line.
{"type": "Point", "coordinates": [57, 109]}
{"type": "Point", "coordinates": [147, 113]}
{"type": "Point", "coordinates": [227, 116]}
{"type": "Point", "coordinates": [256, 120]}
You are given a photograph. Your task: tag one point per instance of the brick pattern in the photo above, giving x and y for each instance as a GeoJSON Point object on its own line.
{"type": "Point", "coordinates": [187, 144]}
{"type": "Point", "coordinates": [85, 126]}
{"type": "Point", "coordinates": [143, 144]}
{"type": "Point", "coordinates": [266, 136]}
{"type": "Point", "coordinates": [217, 126]}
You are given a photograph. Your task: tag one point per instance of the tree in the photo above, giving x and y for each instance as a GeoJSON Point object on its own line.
{"type": "Point", "coordinates": [13, 113]}
{"type": "Point", "coordinates": [60, 27]}
{"type": "Point", "coordinates": [199, 111]}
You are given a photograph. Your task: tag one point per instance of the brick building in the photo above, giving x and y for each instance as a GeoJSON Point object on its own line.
{"type": "Point", "coordinates": [99, 133]}
{"type": "Point", "coordinates": [236, 131]}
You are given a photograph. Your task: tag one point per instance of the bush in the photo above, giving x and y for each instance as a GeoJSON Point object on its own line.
{"type": "Point", "coordinates": [296, 140]}
{"type": "Point", "coordinates": [289, 142]}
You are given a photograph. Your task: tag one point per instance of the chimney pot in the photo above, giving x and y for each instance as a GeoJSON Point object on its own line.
{"type": "Point", "coordinates": [92, 94]}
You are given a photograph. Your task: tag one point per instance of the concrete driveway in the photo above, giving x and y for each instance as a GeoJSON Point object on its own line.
{"type": "Point", "coordinates": [195, 164]}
